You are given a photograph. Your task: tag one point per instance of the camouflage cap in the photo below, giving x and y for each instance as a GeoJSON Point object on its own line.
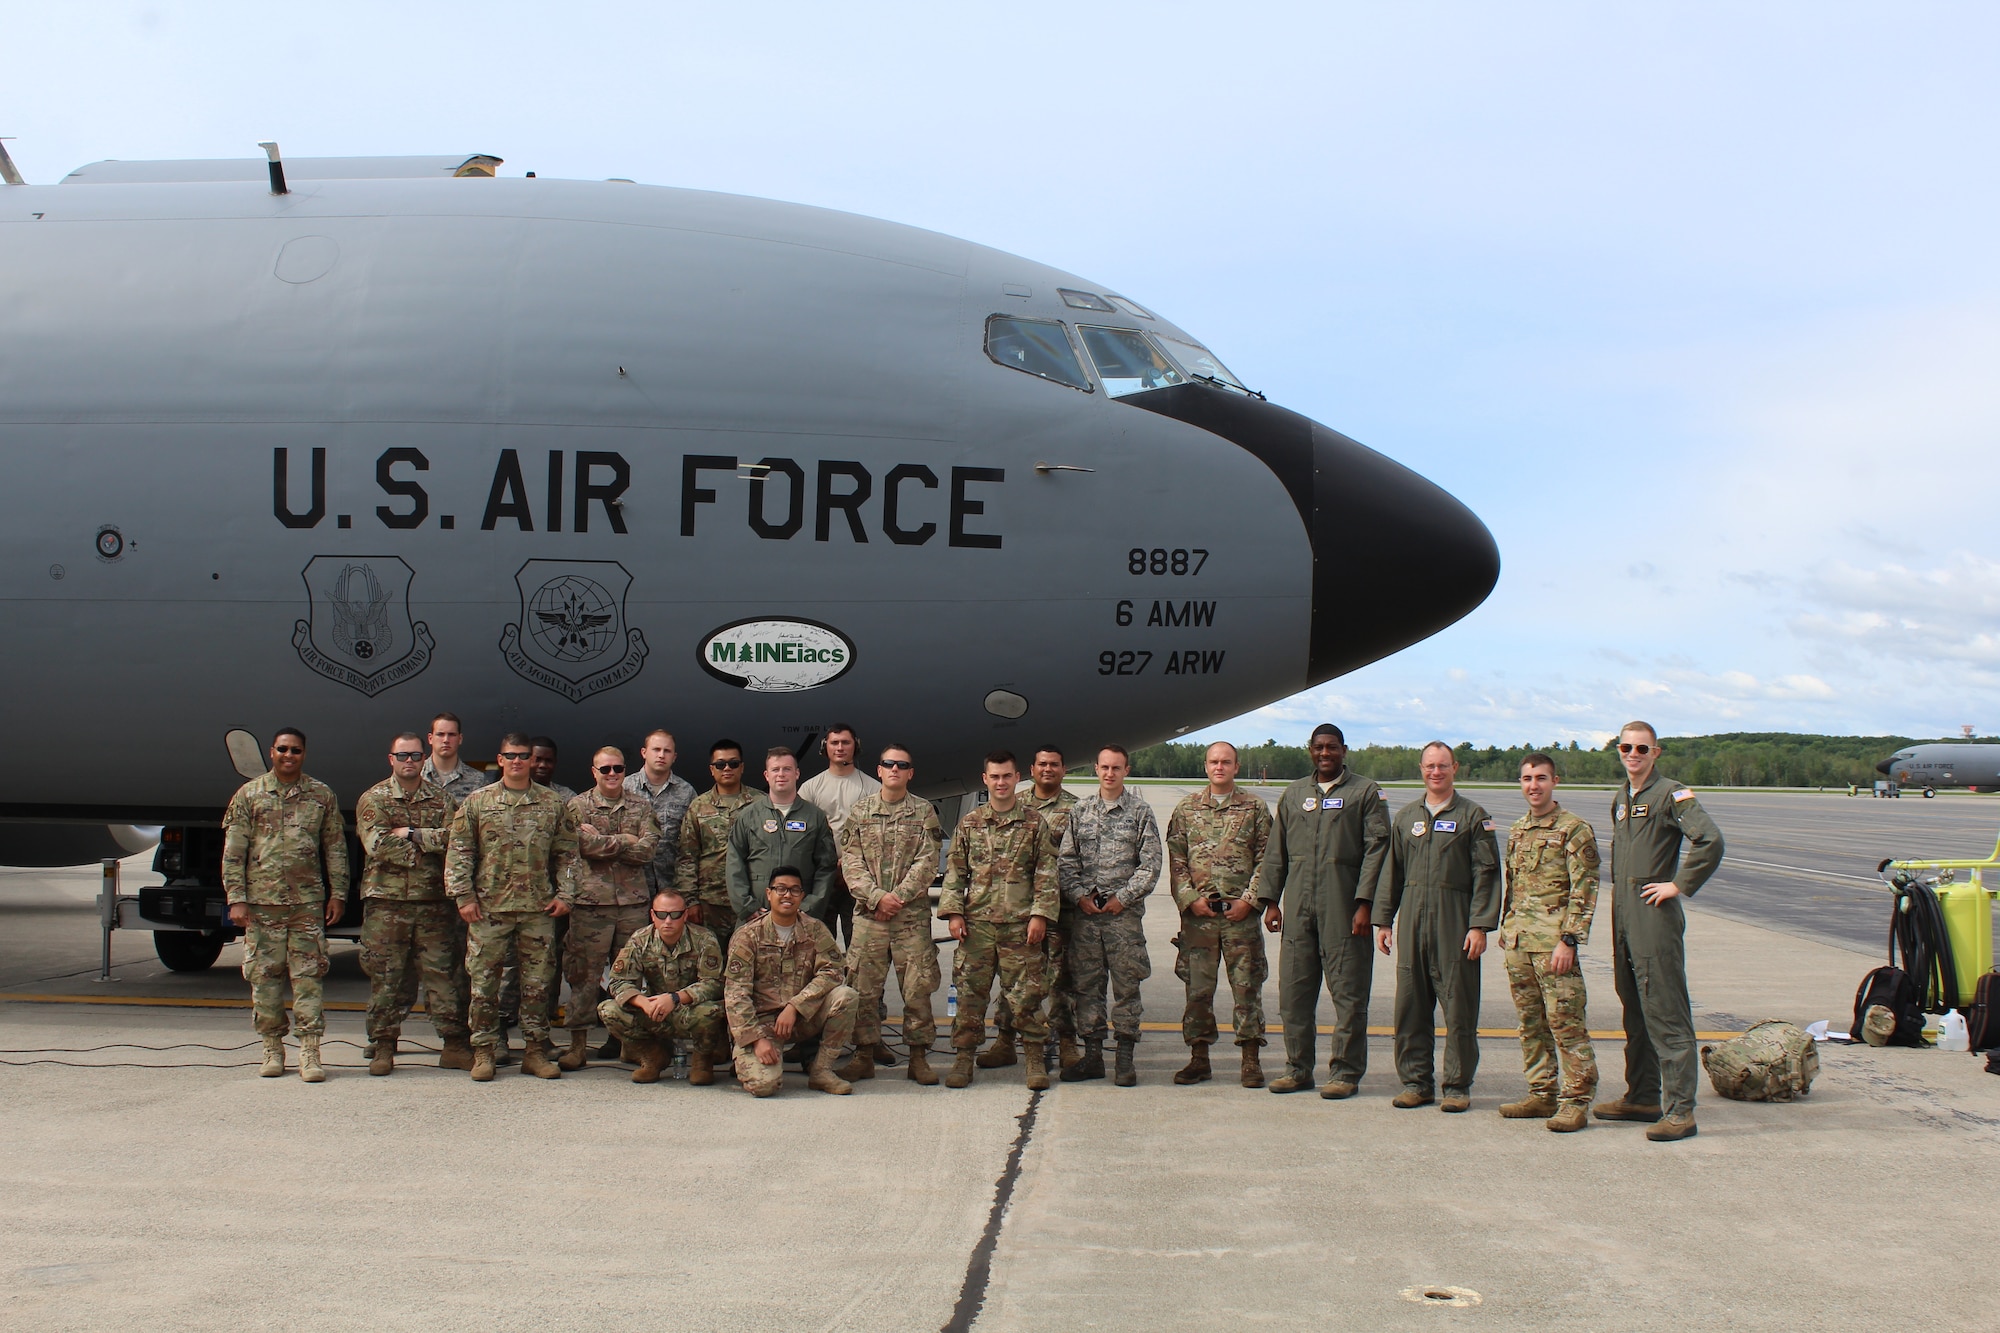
{"type": "Point", "coordinates": [1878, 1025]}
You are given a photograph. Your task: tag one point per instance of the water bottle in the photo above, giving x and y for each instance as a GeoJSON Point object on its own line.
{"type": "Point", "coordinates": [680, 1069]}
{"type": "Point", "coordinates": [1951, 1033]}
{"type": "Point", "coordinates": [951, 1002]}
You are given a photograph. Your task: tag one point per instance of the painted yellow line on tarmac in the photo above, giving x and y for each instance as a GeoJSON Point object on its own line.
{"type": "Point", "coordinates": [351, 1007]}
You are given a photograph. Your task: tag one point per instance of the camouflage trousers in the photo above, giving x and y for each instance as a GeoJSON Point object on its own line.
{"type": "Point", "coordinates": [993, 949]}
{"type": "Point", "coordinates": [1552, 1020]}
{"type": "Point", "coordinates": [902, 945]}
{"type": "Point", "coordinates": [286, 944]}
{"type": "Point", "coordinates": [403, 943]}
{"type": "Point", "coordinates": [1062, 1006]}
{"type": "Point", "coordinates": [493, 941]}
{"type": "Point", "coordinates": [1109, 948]}
{"type": "Point", "coordinates": [720, 918]}
{"type": "Point", "coordinates": [697, 1023]}
{"type": "Point", "coordinates": [596, 934]}
{"type": "Point", "coordinates": [830, 1018]}
{"type": "Point", "coordinates": [1207, 945]}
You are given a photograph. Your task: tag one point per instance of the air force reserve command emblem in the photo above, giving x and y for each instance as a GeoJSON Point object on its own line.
{"type": "Point", "coordinates": [360, 633]}
{"type": "Point", "coordinates": [572, 637]}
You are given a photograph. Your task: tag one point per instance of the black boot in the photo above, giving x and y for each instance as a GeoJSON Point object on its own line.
{"type": "Point", "coordinates": [1127, 1075]}
{"type": "Point", "coordinates": [1089, 1065]}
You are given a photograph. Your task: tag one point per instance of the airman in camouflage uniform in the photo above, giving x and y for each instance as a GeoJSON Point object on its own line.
{"type": "Point", "coordinates": [701, 866]}
{"type": "Point", "coordinates": [1110, 855]}
{"type": "Point", "coordinates": [670, 795]}
{"type": "Point", "coordinates": [284, 872]}
{"type": "Point", "coordinates": [667, 984]}
{"type": "Point", "coordinates": [1215, 841]}
{"type": "Point", "coordinates": [507, 841]}
{"type": "Point", "coordinates": [410, 929]}
{"type": "Point", "coordinates": [1551, 895]}
{"type": "Point", "coordinates": [606, 893]}
{"type": "Point", "coordinates": [783, 981]}
{"type": "Point", "coordinates": [1053, 806]}
{"type": "Point", "coordinates": [889, 845]}
{"type": "Point", "coordinates": [1000, 893]}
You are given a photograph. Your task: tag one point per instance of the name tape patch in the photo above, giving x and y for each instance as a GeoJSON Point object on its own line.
{"type": "Point", "coordinates": [1333, 803]}
{"type": "Point", "coordinates": [1446, 826]}
{"type": "Point", "coordinates": [795, 826]}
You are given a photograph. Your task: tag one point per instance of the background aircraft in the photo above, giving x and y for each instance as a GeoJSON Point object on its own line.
{"type": "Point", "coordinates": [1946, 764]}
{"type": "Point", "coordinates": [589, 457]}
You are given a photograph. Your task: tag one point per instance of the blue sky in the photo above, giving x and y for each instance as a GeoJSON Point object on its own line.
{"type": "Point", "coordinates": [1697, 308]}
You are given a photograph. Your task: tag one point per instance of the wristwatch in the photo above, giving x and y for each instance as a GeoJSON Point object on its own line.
{"type": "Point", "coordinates": [1569, 939]}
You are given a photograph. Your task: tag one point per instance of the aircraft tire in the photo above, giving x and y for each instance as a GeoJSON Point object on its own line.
{"type": "Point", "coordinates": [1929, 793]}
{"type": "Point", "coordinates": [187, 951]}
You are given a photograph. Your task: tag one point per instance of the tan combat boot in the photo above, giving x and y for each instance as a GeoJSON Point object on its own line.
{"type": "Point", "coordinates": [1455, 1103]}
{"type": "Point", "coordinates": [1067, 1053]}
{"type": "Point", "coordinates": [1197, 1068]}
{"type": "Point", "coordinates": [578, 1054]}
{"type": "Point", "coordinates": [652, 1060]}
{"type": "Point", "coordinates": [1253, 1065]}
{"type": "Point", "coordinates": [382, 1056]}
{"type": "Point", "coordinates": [535, 1059]}
{"type": "Point", "coordinates": [1410, 1101]}
{"type": "Point", "coordinates": [482, 1064]}
{"type": "Point", "coordinates": [1568, 1120]}
{"type": "Point", "coordinates": [1671, 1128]}
{"type": "Point", "coordinates": [309, 1066]}
{"type": "Point", "coordinates": [1623, 1110]}
{"type": "Point", "coordinates": [274, 1058]}
{"type": "Point", "coordinates": [1000, 1054]}
{"type": "Point", "coordinates": [961, 1071]}
{"type": "Point", "coordinates": [1038, 1074]}
{"type": "Point", "coordinates": [884, 1057]}
{"type": "Point", "coordinates": [820, 1076]}
{"type": "Point", "coordinates": [920, 1070]}
{"type": "Point", "coordinates": [860, 1065]}
{"type": "Point", "coordinates": [1534, 1106]}
{"type": "Point", "coordinates": [457, 1053]}
{"type": "Point", "coordinates": [701, 1067]}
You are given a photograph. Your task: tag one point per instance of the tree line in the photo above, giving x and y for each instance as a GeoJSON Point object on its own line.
{"type": "Point", "coordinates": [1734, 759]}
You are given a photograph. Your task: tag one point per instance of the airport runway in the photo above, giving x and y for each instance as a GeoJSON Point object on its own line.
{"type": "Point", "coordinates": [152, 1180]}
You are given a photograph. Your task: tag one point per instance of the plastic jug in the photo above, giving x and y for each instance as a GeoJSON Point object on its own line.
{"type": "Point", "coordinates": [1951, 1034]}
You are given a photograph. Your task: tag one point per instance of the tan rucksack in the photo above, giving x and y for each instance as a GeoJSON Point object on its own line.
{"type": "Point", "coordinates": [1773, 1062]}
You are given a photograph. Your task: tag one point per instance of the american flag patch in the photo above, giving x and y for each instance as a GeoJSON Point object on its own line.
{"type": "Point", "coordinates": [1682, 794]}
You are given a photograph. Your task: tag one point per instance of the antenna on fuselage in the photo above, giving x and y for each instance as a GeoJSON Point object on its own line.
{"type": "Point", "coordinates": [7, 171]}
{"type": "Point", "coordinates": [277, 168]}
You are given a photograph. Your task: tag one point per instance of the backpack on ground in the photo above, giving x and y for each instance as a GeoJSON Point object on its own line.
{"type": "Point", "coordinates": [1891, 988]}
{"type": "Point", "coordinates": [1982, 1016]}
{"type": "Point", "coordinates": [1773, 1062]}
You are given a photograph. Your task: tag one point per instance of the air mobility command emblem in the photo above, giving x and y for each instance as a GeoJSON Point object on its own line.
{"type": "Point", "coordinates": [360, 633]}
{"type": "Point", "coordinates": [571, 636]}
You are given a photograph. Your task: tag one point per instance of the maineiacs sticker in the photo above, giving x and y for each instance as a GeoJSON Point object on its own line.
{"type": "Point", "coordinates": [775, 655]}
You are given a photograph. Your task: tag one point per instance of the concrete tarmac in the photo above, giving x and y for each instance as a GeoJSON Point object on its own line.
{"type": "Point", "coordinates": [140, 1192]}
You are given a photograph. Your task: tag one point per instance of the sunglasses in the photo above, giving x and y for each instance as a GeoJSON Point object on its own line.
{"type": "Point", "coordinates": [288, 749]}
{"type": "Point", "coordinates": [670, 916]}
{"type": "Point", "coordinates": [406, 758]}
{"type": "Point", "coordinates": [725, 763]}
{"type": "Point", "coordinates": [516, 756]}
{"type": "Point", "coordinates": [1626, 747]}
{"type": "Point", "coordinates": [898, 764]}
{"type": "Point", "coordinates": [611, 768]}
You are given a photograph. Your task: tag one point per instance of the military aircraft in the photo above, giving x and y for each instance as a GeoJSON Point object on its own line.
{"type": "Point", "coordinates": [1944, 764]}
{"type": "Point", "coordinates": [336, 443]}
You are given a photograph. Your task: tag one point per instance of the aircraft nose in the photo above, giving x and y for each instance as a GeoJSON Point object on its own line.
{"type": "Point", "coordinates": [1396, 558]}
{"type": "Point", "coordinates": [1370, 511]}
{"type": "Point", "coordinates": [1883, 768]}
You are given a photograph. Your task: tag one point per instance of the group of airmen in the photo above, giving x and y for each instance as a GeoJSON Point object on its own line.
{"type": "Point", "coordinates": [713, 923]}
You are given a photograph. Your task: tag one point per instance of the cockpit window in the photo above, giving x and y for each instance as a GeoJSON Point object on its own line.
{"type": "Point", "coordinates": [1128, 305]}
{"type": "Point", "coordinates": [1126, 361]}
{"type": "Point", "coordinates": [1199, 362]}
{"type": "Point", "coordinates": [1077, 300]}
{"type": "Point", "coordinates": [1036, 346]}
